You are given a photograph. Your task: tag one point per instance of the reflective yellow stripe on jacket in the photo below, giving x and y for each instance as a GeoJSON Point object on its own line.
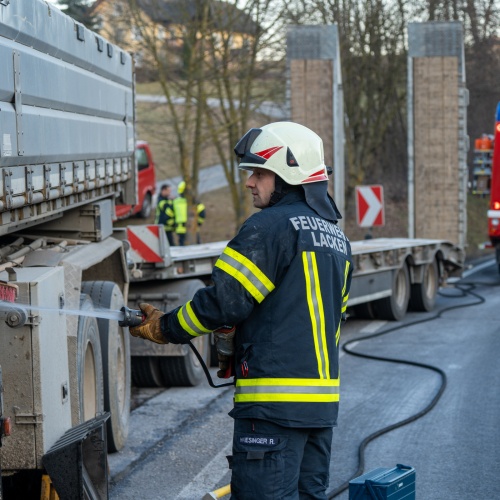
{"type": "Point", "coordinates": [253, 280]}
{"type": "Point", "coordinates": [316, 311]}
{"type": "Point", "coordinates": [287, 390]}
{"type": "Point", "coordinates": [345, 296]}
{"type": "Point", "coordinates": [188, 320]}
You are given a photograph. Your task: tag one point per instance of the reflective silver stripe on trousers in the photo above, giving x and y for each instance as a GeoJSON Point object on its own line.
{"type": "Point", "coordinates": [283, 389]}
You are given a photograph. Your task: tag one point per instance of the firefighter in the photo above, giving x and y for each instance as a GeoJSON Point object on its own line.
{"type": "Point", "coordinates": [283, 283]}
{"type": "Point", "coordinates": [200, 219]}
{"type": "Point", "coordinates": [181, 213]}
{"type": "Point", "coordinates": [165, 212]}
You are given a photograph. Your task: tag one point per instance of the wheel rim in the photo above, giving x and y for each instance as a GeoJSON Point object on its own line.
{"type": "Point", "coordinates": [89, 385]}
{"type": "Point", "coordinates": [401, 288]}
{"type": "Point", "coordinates": [146, 206]}
{"type": "Point", "coordinates": [121, 368]}
{"type": "Point", "coordinates": [430, 281]}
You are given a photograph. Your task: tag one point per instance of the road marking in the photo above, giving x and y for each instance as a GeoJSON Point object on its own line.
{"type": "Point", "coordinates": [209, 476]}
{"type": "Point", "coordinates": [373, 326]}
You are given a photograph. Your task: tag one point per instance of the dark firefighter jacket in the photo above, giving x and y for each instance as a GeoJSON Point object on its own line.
{"type": "Point", "coordinates": [165, 213]}
{"type": "Point", "coordinates": [284, 282]}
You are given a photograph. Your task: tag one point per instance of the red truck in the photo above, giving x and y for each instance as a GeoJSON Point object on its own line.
{"type": "Point", "coordinates": [146, 185]}
{"type": "Point", "coordinates": [494, 209]}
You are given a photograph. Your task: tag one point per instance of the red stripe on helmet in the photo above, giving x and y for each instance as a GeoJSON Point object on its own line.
{"type": "Point", "coordinates": [320, 175]}
{"type": "Point", "coordinates": [267, 153]}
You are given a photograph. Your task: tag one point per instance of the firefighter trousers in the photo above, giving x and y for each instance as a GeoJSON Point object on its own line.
{"type": "Point", "coordinates": [271, 462]}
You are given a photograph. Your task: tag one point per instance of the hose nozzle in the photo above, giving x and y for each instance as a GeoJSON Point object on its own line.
{"type": "Point", "coordinates": [131, 317]}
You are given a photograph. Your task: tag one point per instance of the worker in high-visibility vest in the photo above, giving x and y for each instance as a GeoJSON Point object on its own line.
{"type": "Point", "coordinates": [181, 213]}
{"type": "Point", "coordinates": [200, 219]}
{"type": "Point", "coordinates": [279, 292]}
{"type": "Point", "coordinates": [165, 212]}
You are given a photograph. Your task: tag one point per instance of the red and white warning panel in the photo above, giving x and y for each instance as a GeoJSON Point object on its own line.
{"type": "Point", "coordinates": [370, 206]}
{"type": "Point", "coordinates": [147, 243]}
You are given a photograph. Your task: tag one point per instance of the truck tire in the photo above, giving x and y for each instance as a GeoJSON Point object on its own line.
{"type": "Point", "coordinates": [186, 371]}
{"type": "Point", "coordinates": [394, 307]}
{"type": "Point", "coordinates": [364, 311]}
{"type": "Point", "coordinates": [423, 295]}
{"type": "Point", "coordinates": [89, 364]}
{"type": "Point", "coordinates": [115, 348]}
{"type": "Point", "coordinates": [147, 207]}
{"type": "Point", "coordinates": [146, 371]}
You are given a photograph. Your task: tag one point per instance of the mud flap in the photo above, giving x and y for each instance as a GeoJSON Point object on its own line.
{"type": "Point", "coordinates": [77, 463]}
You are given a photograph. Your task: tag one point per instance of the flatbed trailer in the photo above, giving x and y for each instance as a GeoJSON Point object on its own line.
{"type": "Point", "coordinates": [392, 274]}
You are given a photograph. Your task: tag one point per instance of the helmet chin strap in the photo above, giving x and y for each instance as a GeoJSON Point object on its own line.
{"type": "Point", "coordinates": [281, 189]}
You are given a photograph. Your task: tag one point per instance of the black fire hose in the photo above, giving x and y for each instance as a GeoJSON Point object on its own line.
{"type": "Point", "coordinates": [205, 369]}
{"type": "Point", "coordinates": [429, 407]}
{"type": "Point", "coordinates": [134, 317]}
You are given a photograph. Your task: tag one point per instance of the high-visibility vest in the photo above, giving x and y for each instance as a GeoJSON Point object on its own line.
{"type": "Point", "coordinates": [181, 214]}
{"type": "Point", "coordinates": [201, 214]}
{"type": "Point", "coordinates": [284, 282]}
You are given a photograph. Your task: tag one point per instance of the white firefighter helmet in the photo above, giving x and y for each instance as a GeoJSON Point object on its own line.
{"type": "Point", "coordinates": [290, 150]}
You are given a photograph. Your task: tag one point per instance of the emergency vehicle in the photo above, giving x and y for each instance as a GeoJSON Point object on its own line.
{"type": "Point", "coordinates": [494, 209]}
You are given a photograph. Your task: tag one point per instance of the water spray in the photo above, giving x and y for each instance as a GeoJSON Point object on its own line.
{"type": "Point", "coordinates": [16, 315]}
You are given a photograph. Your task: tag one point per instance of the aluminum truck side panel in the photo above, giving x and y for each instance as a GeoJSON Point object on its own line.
{"type": "Point", "coordinates": [66, 116]}
{"type": "Point", "coordinates": [37, 24]}
{"type": "Point", "coordinates": [36, 378]}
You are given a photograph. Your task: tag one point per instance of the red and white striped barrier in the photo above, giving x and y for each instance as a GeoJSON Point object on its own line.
{"type": "Point", "coordinates": [145, 243]}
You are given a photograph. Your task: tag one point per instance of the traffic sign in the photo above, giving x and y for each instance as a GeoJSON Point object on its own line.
{"type": "Point", "coordinates": [370, 206]}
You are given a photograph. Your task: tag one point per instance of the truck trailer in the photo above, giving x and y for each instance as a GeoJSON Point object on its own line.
{"type": "Point", "coordinates": [67, 158]}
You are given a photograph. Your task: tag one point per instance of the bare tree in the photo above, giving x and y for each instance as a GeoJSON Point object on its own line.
{"type": "Point", "coordinates": [373, 56]}
{"type": "Point", "coordinates": [79, 10]}
{"type": "Point", "coordinates": [214, 62]}
{"type": "Point", "coordinates": [244, 76]}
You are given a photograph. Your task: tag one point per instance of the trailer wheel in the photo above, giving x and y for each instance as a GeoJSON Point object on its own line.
{"type": "Point", "coordinates": [115, 348]}
{"type": "Point", "coordinates": [147, 207]}
{"type": "Point", "coordinates": [364, 311]}
{"type": "Point", "coordinates": [146, 371]}
{"type": "Point", "coordinates": [186, 370]}
{"type": "Point", "coordinates": [423, 295]}
{"type": "Point", "coordinates": [394, 307]}
{"type": "Point", "coordinates": [89, 364]}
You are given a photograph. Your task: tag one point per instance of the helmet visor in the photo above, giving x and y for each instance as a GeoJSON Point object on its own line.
{"type": "Point", "coordinates": [242, 149]}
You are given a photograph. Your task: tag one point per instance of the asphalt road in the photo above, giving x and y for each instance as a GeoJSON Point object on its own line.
{"type": "Point", "coordinates": [179, 438]}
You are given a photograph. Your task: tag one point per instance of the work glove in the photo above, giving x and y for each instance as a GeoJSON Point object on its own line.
{"type": "Point", "coordinates": [150, 328]}
{"type": "Point", "coordinates": [224, 343]}
{"type": "Point", "coordinates": [226, 366]}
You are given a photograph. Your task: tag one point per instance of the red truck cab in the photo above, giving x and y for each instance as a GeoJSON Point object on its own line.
{"type": "Point", "coordinates": [146, 185]}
